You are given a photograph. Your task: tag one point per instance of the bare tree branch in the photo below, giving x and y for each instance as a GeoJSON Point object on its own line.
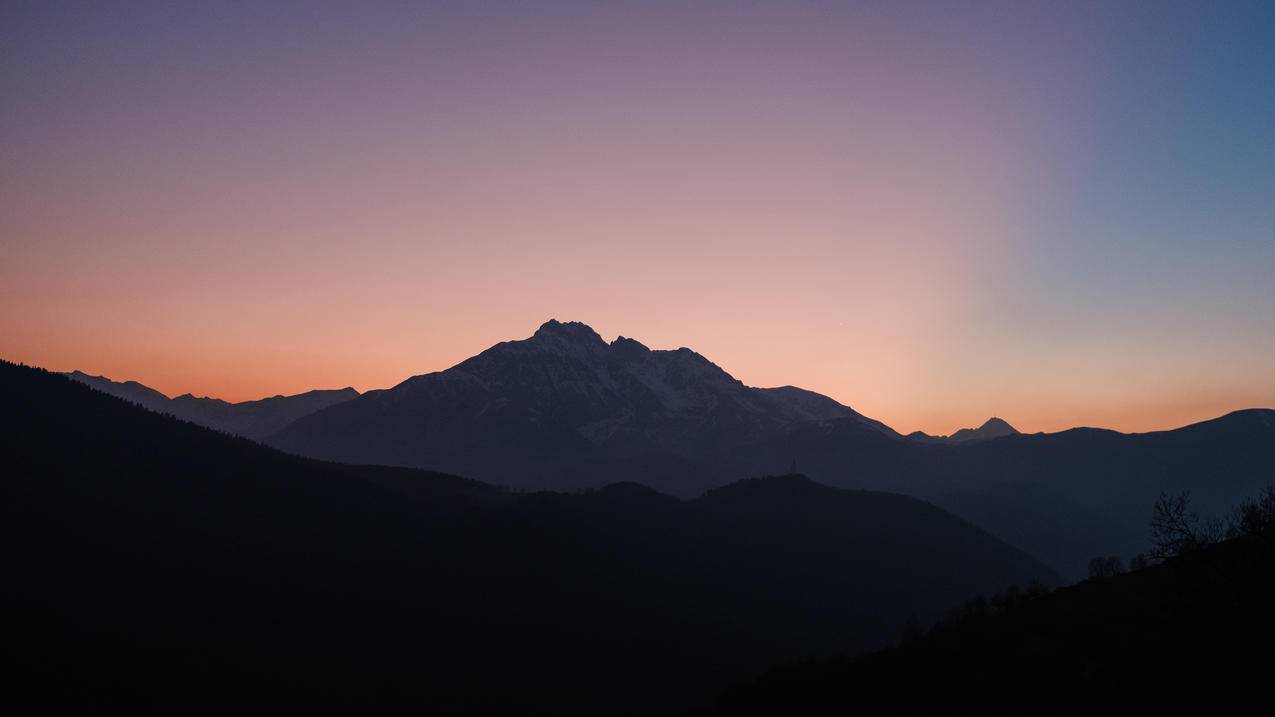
{"type": "Point", "coordinates": [1176, 529]}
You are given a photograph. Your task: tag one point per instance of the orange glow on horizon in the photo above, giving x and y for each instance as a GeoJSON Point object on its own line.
{"type": "Point", "coordinates": [932, 216]}
{"type": "Point", "coordinates": [890, 398]}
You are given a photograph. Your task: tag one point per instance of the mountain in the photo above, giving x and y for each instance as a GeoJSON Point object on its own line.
{"type": "Point", "coordinates": [251, 419]}
{"type": "Point", "coordinates": [153, 563]}
{"type": "Point", "coordinates": [565, 409]}
{"type": "Point", "coordinates": [1187, 636]}
{"type": "Point", "coordinates": [1064, 493]}
{"type": "Point", "coordinates": [992, 428]}
{"type": "Point", "coordinates": [1048, 524]}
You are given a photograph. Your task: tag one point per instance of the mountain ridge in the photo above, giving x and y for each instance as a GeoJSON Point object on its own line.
{"type": "Point", "coordinates": [563, 408]}
{"type": "Point", "coordinates": [254, 419]}
{"type": "Point", "coordinates": [317, 582]}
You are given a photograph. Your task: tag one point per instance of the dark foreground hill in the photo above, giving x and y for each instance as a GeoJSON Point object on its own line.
{"type": "Point", "coordinates": [158, 566]}
{"type": "Point", "coordinates": [1191, 635]}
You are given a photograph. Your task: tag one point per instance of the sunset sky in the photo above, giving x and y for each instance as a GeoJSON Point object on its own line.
{"type": "Point", "coordinates": [1060, 213]}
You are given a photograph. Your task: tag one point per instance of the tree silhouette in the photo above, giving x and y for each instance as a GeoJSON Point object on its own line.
{"type": "Point", "coordinates": [1108, 567]}
{"type": "Point", "coordinates": [1254, 516]}
{"type": "Point", "coordinates": [1176, 529]}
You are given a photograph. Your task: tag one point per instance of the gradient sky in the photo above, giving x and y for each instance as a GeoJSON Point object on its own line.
{"type": "Point", "coordinates": [1060, 213]}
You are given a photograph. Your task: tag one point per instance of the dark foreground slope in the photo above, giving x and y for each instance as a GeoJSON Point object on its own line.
{"type": "Point", "coordinates": [160, 566]}
{"type": "Point", "coordinates": [1190, 635]}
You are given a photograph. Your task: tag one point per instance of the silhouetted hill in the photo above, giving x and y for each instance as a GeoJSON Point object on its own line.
{"type": "Point", "coordinates": [1049, 525]}
{"type": "Point", "coordinates": [565, 409]}
{"type": "Point", "coordinates": [154, 565]}
{"type": "Point", "coordinates": [1187, 636]}
{"type": "Point", "coordinates": [251, 419]}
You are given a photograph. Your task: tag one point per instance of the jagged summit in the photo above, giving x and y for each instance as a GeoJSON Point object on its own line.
{"type": "Point", "coordinates": [569, 338]}
{"type": "Point", "coordinates": [997, 424]}
{"type": "Point", "coordinates": [629, 350]}
{"type": "Point", "coordinates": [570, 330]}
{"type": "Point", "coordinates": [625, 341]}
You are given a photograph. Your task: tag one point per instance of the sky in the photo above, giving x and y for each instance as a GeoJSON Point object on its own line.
{"type": "Point", "coordinates": [1057, 213]}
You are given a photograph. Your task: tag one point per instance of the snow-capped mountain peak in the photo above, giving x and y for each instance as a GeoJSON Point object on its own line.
{"type": "Point", "coordinates": [562, 396]}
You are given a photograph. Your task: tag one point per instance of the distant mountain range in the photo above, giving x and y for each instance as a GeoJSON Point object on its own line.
{"type": "Point", "coordinates": [251, 419]}
{"type": "Point", "coordinates": [564, 410]}
{"type": "Point", "coordinates": [1064, 497]}
{"type": "Point", "coordinates": [151, 563]}
{"type": "Point", "coordinates": [195, 537]}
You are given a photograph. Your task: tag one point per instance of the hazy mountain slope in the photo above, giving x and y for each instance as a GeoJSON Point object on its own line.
{"type": "Point", "coordinates": [149, 560]}
{"type": "Point", "coordinates": [251, 419]}
{"type": "Point", "coordinates": [1045, 523]}
{"type": "Point", "coordinates": [1109, 477]}
{"type": "Point", "coordinates": [546, 410]}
